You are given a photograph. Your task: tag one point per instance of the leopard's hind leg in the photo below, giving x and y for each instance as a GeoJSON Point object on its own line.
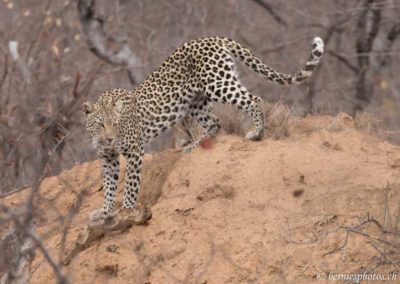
{"type": "Point", "coordinates": [200, 111]}
{"type": "Point", "coordinates": [226, 88]}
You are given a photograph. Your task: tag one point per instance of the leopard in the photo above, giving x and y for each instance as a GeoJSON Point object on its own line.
{"type": "Point", "coordinates": [197, 74]}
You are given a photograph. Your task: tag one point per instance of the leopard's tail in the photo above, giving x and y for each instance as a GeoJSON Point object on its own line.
{"type": "Point", "coordinates": [258, 66]}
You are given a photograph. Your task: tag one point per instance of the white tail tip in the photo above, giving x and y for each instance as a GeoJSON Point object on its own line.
{"type": "Point", "coordinates": [318, 44]}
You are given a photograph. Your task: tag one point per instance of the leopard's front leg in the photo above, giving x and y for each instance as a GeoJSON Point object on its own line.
{"type": "Point", "coordinates": [134, 157]}
{"type": "Point", "coordinates": [110, 168]}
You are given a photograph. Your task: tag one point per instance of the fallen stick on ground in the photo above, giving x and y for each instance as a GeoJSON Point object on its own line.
{"type": "Point", "coordinates": [123, 220]}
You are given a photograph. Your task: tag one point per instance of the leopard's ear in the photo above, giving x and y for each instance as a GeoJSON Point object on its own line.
{"type": "Point", "coordinates": [87, 108]}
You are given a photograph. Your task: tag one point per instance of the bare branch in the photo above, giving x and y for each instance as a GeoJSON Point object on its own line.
{"type": "Point", "coordinates": [3, 78]}
{"type": "Point", "coordinates": [368, 25]}
{"type": "Point", "coordinates": [344, 60]}
{"type": "Point", "coordinates": [99, 41]}
{"type": "Point", "coordinates": [119, 222]}
{"type": "Point", "coordinates": [13, 49]}
{"type": "Point", "coordinates": [271, 11]}
{"type": "Point", "coordinates": [391, 38]}
{"type": "Point", "coordinates": [394, 32]}
{"type": "Point", "coordinates": [79, 95]}
{"type": "Point", "coordinates": [57, 268]}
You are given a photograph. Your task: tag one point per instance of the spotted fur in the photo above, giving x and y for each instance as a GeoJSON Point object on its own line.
{"type": "Point", "coordinates": [196, 74]}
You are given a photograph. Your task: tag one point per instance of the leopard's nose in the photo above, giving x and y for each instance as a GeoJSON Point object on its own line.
{"type": "Point", "coordinates": [109, 140]}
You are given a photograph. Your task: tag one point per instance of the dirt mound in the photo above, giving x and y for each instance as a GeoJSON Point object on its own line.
{"type": "Point", "coordinates": [322, 200]}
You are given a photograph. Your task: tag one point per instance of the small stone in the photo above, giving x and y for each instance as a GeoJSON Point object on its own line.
{"type": "Point", "coordinates": [112, 248]}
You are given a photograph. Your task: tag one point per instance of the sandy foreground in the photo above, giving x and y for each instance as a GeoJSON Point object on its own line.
{"type": "Point", "coordinates": [275, 211]}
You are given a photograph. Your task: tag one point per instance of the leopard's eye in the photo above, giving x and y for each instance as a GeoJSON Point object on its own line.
{"type": "Point", "coordinates": [101, 124]}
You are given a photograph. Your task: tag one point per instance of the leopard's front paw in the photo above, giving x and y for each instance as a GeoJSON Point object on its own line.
{"type": "Point", "coordinates": [100, 214]}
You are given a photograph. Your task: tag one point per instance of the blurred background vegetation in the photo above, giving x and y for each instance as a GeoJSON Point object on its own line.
{"type": "Point", "coordinates": [56, 54]}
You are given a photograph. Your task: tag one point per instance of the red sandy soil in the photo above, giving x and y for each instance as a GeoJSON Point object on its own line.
{"type": "Point", "coordinates": [236, 211]}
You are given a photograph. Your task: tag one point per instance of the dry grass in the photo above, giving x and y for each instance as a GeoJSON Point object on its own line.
{"type": "Point", "coordinates": [232, 120]}
{"type": "Point", "coordinates": [366, 122]}
{"type": "Point", "coordinates": [279, 123]}
{"type": "Point", "coordinates": [277, 120]}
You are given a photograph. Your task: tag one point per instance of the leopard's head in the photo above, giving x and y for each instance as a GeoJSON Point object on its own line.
{"type": "Point", "coordinates": [102, 120]}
